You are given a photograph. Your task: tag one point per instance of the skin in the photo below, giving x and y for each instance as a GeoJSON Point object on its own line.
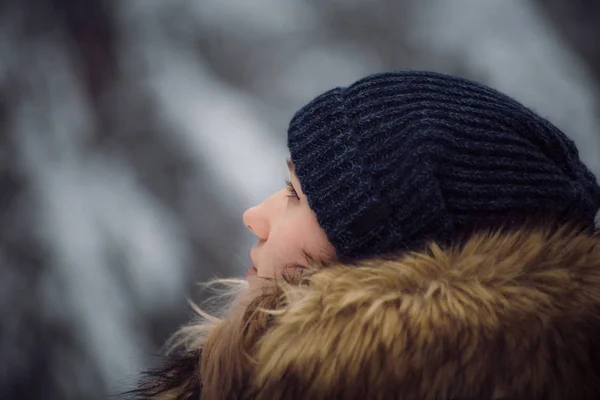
{"type": "Point", "coordinates": [287, 231]}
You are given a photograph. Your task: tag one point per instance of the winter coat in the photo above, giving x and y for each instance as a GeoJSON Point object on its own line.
{"type": "Point", "coordinates": [512, 315]}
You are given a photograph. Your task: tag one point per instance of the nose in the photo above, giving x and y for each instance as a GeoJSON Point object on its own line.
{"type": "Point", "coordinates": [256, 221]}
{"type": "Point", "coordinates": [261, 218]}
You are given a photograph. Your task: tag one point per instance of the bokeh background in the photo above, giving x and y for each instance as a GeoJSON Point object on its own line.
{"type": "Point", "coordinates": [134, 133]}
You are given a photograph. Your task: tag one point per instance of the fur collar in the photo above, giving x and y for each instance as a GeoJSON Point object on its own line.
{"type": "Point", "coordinates": [512, 315]}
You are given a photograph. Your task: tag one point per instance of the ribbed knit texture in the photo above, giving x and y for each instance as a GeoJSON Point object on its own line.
{"type": "Point", "coordinates": [401, 158]}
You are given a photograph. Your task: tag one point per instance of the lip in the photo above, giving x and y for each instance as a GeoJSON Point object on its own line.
{"type": "Point", "coordinates": [252, 270]}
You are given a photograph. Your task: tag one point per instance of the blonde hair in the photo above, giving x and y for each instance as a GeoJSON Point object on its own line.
{"type": "Point", "coordinates": [228, 326]}
{"type": "Point", "coordinates": [212, 356]}
{"type": "Point", "coordinates": [227, 297]}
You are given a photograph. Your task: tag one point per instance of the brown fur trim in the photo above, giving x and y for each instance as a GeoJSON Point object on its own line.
{"type": "Point", "coordinates": [513, 315]}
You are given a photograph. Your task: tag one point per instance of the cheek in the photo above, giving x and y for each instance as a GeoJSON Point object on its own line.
{"type": "Point", "coordinates": [303, 236]}
{"type": "Point", "coordinates": [285, 248]}
{"type": "Point", "coordinates": [293, 236]}
{"type": "Point", "coordinates": [315, 243]}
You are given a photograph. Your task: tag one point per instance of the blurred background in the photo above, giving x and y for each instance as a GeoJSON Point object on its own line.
{"type": "Point", "coordinates": [134, 133]}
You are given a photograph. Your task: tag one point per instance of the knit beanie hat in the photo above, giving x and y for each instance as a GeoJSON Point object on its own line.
{"type": "Point", "coordinates": [399, 159]}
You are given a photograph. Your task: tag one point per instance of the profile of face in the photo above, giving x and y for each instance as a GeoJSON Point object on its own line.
{"type": "Point", "coordinates": [287, 232]}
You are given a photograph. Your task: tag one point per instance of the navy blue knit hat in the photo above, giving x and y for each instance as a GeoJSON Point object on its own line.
{"type": "Point", "coordinates": [402, 158]}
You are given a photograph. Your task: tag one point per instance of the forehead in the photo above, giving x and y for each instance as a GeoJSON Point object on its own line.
{"type": "Point", "coordinates": [290, 164]}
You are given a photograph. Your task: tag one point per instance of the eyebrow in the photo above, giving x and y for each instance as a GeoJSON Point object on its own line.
{"type": "Point", "coordinates": [290, 164]}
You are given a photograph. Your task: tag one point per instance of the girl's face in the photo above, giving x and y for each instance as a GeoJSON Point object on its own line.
{"type": "Point", "coordinates": [287, 232]}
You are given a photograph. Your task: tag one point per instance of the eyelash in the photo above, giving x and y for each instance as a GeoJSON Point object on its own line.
{"type": "Point", "coordinates": [291, 191]}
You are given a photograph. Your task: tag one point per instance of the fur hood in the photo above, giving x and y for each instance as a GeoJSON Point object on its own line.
{"type": "Point", "coordinates": [506, 316]}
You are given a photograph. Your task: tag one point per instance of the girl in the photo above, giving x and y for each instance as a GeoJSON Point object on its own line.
{"type": "Point", "coordinates": [435, 240]}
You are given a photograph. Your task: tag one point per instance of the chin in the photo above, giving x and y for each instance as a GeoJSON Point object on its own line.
{"type": "Point", "coordinates": [254, 283]}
